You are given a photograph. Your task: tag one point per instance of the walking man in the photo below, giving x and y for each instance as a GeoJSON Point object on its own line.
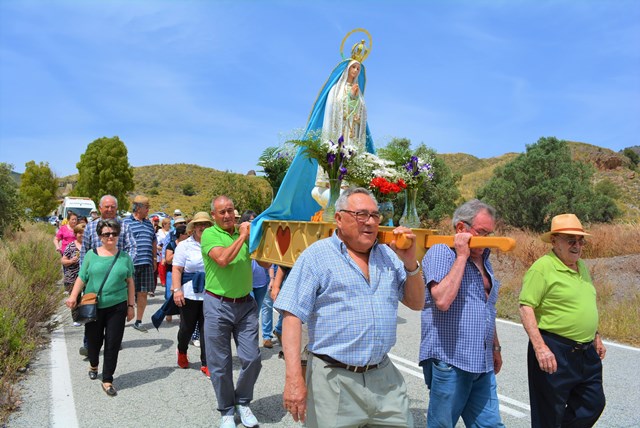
{"type": "Point", "coordinates": [559, 313]}
{"type": "Point", "coordinates": [145, 260]}
{"type": "Point", "coordinates": [230, 311]}
{"type": "Point", "coordinates": [459, 350]}
{"type": "Point", "coordinates": [108, 206]}
{"type": "Point", "coordinates": [346, 288]}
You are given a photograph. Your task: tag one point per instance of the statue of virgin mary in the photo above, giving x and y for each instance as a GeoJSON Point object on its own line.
{"type": "Point", "coordinates": [338, 110]}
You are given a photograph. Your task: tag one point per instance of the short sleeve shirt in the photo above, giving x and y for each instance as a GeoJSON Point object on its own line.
{"type": "Point", "coordinates": [188, 255]}
{"type": "Point", "coordinates": [233, 280]}
{"type": "Point", "coordinates": [563, 300]}
{"type": "Point", "coordinates": [144, 235]}
{"type": "Point", "coordinates": [350, 319]}
{"type": "Point", "coordinates": [94, 269]}
{"type": "Point", "coordinates": [462, 335]}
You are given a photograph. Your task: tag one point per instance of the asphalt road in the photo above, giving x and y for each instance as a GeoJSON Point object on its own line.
{"type": "Point", "coordinates": [154, 392]}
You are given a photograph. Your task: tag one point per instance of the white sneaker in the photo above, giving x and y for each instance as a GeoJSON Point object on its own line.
{"type": "Point", "coordinates": [196, 343]}
{"type": "Point", "coordinates": [246, 416]}
{"type": "Point", "coordinates": [228, 422]}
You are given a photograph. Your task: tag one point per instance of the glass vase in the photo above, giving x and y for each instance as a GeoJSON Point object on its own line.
{"type": "Point", "coordinates": [329, 213]}
{"type": "Point", "coordinates": [386, 213]}
{"type": "Point", "coordinates": [410, 216]}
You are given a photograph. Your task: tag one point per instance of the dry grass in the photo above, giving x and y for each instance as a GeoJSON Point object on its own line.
{"type": "Point", "coordinates": [29, 270]}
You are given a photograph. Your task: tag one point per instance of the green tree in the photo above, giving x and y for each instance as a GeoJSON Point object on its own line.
{"type": "Point", "coordinates": [543, 182]}
{"type": "Point", "coordinates": [188, 190]}
{"type": "Point", "coordinates": [104, 169]}
{"type": "Point", "coordinates": [247, 192]}
{"type": "Point", "coordinates": [275, 162]}
{"type": "Point", "coordinates": [437, 197]}
{"type": "Point", "coordinates": [9, 200]}
{"type": "Point", "coordinates": [38, 186]}
{"type": "Point", "coordinates": [633, 156]}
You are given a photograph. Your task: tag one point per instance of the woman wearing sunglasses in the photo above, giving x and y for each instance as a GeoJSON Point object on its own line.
{"type": "Point", "coordinates": [109, 273]}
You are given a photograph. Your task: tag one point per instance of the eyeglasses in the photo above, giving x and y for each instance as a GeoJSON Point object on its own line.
{"type": "Point", "coordinates": [573, 241]}
{"type": "Point", "coordinates": [109, 235]}
{"type": "Point", "coordinates": [363, 216]}
{"type": "Point", "coordinates": [479, 232]}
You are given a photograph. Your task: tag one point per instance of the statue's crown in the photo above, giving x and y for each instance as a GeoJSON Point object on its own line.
{"type": "Point", "coordinates": [359, 51]}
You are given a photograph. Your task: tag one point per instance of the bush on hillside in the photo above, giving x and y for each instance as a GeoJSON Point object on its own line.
{"type": "Point", "coordinates": [9, 200]}
{"type": "Point", "coordinates": [544, 182]}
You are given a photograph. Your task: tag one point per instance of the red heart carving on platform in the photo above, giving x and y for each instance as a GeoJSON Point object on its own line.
{"type": "Point", "coordinates": [283, 238]}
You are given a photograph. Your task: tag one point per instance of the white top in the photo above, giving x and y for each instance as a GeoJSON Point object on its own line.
{"type": "Point", "coordinates": [188, 255]}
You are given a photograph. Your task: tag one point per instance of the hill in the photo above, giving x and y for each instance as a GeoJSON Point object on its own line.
{"type": "Point", "coordinates": [614, 173]}
{"type": "Point", "coordinates": [190, 188]}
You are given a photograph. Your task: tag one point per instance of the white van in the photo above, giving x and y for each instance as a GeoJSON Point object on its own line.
{"type": "Point", "coordinates": [81, 206]}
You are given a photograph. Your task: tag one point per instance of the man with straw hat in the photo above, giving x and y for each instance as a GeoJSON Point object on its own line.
{"type": "Point", "coordinates": [559, 313]}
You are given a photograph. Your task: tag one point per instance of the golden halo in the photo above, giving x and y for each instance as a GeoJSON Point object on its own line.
{"type": "Point", "coordinates": [365, 52]}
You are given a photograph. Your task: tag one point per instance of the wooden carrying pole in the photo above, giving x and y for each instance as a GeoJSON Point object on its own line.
{"type": "Point", "coordinates": [500, 242]}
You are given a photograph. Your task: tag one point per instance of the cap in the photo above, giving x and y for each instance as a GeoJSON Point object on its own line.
{"type": "Point", "coordinates": [236, 213]}
{"type": "Point", "coordinates": [94, 211]}
{"type": "Point", "coordinates": [179, 220]}
{"type": "Point", "coordinates": [177, 212]}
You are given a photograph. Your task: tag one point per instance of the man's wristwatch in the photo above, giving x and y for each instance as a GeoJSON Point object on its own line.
{"type": "Point", "coordinates": [497, 348]}
{"type": "Point", "coordinates": [176, 289]}
{"type": "Point", "coordinates": [413, 272]}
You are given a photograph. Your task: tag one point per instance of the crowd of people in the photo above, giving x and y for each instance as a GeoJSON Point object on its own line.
{"type": "Point", "coordinates": [338, 310]}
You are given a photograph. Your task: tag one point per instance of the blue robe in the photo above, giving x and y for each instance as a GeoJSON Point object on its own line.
{"type": "Point", "coordinates": [293, 200]}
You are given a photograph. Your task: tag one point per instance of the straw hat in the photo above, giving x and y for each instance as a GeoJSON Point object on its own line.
{"type": "Point", "coordinates": [567, 224]}
{"type": "Point", "coordinates": [179, 220]}
{"type": "Point", "coordinates": [199, 217]}
{"type": "Point", "coordinates": [141, 199]}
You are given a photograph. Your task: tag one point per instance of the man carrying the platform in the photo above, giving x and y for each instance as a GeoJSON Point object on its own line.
{"type": "Point", "coordinates": [230, 311]}
{"type": "Point", "coordinates": [346, 288]}
{"type": "Point", "coordinates": [459, 351]}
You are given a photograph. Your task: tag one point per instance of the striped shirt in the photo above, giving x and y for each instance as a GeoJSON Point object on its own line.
{"type": "Point", "coordinates": [350, 319]}
{"type": "Point", "coordinates": [91, 240]}
{"type": "Point", "coordinates": [463, 335]}
{"type": "Point", "coordinates": [145, 237]}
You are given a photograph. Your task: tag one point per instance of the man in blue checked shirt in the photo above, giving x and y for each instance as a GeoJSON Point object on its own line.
{"type": "Point", "coordinates": [346, 288]}
{"type": "Point", "coordinates": [459, 351]}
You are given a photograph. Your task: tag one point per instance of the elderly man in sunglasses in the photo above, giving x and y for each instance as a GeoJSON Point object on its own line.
{"type": "Point", "coordinates": [559, 313]}
{"type": "Point", "coordinates": [346, 288]}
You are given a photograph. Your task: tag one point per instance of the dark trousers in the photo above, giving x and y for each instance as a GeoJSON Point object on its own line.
{"type": "Point", "coordinates": [572, 396]}
{"type": "Point", "coordinates": [190, 314]}
{"type": "Point", "coordinates": [107, 328]}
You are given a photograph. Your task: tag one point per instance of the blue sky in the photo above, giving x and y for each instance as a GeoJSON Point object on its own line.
{"type": "Point", "coordinates": [216, 82]}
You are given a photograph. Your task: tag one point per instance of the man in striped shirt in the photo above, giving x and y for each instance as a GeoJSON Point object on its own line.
{"type": "Point", "coordinates": [145, 260]}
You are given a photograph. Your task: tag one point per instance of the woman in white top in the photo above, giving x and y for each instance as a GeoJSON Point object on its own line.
{"type": "Point", "coordinates": [188, 288]}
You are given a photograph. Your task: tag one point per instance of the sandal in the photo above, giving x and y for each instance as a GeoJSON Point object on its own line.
{"type": "Point", "coordinates": [93, 373]}
{"type": "Point", "coordinates": [109, 389]}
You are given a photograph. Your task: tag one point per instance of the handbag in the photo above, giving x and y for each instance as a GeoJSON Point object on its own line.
{"type": "Point", "coordinates": [87, 310]}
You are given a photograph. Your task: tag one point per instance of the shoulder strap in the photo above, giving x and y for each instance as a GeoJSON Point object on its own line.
{"type": "Point", "coordinates": [115, 259]}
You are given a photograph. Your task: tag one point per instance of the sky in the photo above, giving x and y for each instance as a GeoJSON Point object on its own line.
{"type": "Point", "coordinates": [214, 83]}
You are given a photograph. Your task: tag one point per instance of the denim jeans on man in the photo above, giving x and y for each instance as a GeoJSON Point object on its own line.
{"type": "Point", "coordinates": [456, 393]}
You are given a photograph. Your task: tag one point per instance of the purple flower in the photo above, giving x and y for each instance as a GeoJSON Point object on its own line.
{"type": "Point", "coordinates": [341, 140]}
{"type": "Point", "coordinates": [343, 172]}
{"type": "Point", "coordinates": [331, 157]}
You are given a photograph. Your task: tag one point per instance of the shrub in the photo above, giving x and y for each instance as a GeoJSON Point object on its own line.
{"type": "Point", "coordinates": [29, 270]}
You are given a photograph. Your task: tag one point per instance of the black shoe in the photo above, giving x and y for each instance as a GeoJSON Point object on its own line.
{"type": "Point", "coordinates": [93, 373]}
{"type": "Point", "coordinates": [109, 389]}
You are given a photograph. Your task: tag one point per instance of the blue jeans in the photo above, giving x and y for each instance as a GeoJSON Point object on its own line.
{"type": "Point", "coordinates": [455, 393]}
{"type": "Point", "coordinates": [167, 289]}
{"type": "Point", "coordinates": [267, 318]}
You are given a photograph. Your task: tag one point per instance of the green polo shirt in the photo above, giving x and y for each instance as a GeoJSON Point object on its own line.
{"type": "Point", "coordinates": [563, 300]}
{"type": "Point", "coordinates": [234, 280]}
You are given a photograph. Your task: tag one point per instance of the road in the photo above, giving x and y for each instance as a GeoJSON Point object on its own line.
{"type": "Point", "coordinates": [154, 392]}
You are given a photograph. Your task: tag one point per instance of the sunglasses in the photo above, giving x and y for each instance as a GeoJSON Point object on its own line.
{"type": "Point", "coordinates": [109, 235]}
{"type": "Point", "coordinates": [573, 241]}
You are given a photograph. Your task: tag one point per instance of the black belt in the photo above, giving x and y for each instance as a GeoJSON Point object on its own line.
{"type": "Point", "coordinates": [577, 346]}
{"type": "Point", "coordinates": [230, 299]}
{"type": "Point", "coordinates": [331, 363]}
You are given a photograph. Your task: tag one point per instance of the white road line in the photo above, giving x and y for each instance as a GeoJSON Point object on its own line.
{"type": "Point", "coordinates": [410, 370]}
{"type": "Point", "coordinates": [63, 408]}
{"type": "Point", "coordinates": [606, 342]}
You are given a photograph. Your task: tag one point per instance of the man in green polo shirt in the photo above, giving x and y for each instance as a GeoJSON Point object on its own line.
{"type": "Point", "coordinates": [230, 311]}
{"type": "Point", "coordinates": [559, 313]}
